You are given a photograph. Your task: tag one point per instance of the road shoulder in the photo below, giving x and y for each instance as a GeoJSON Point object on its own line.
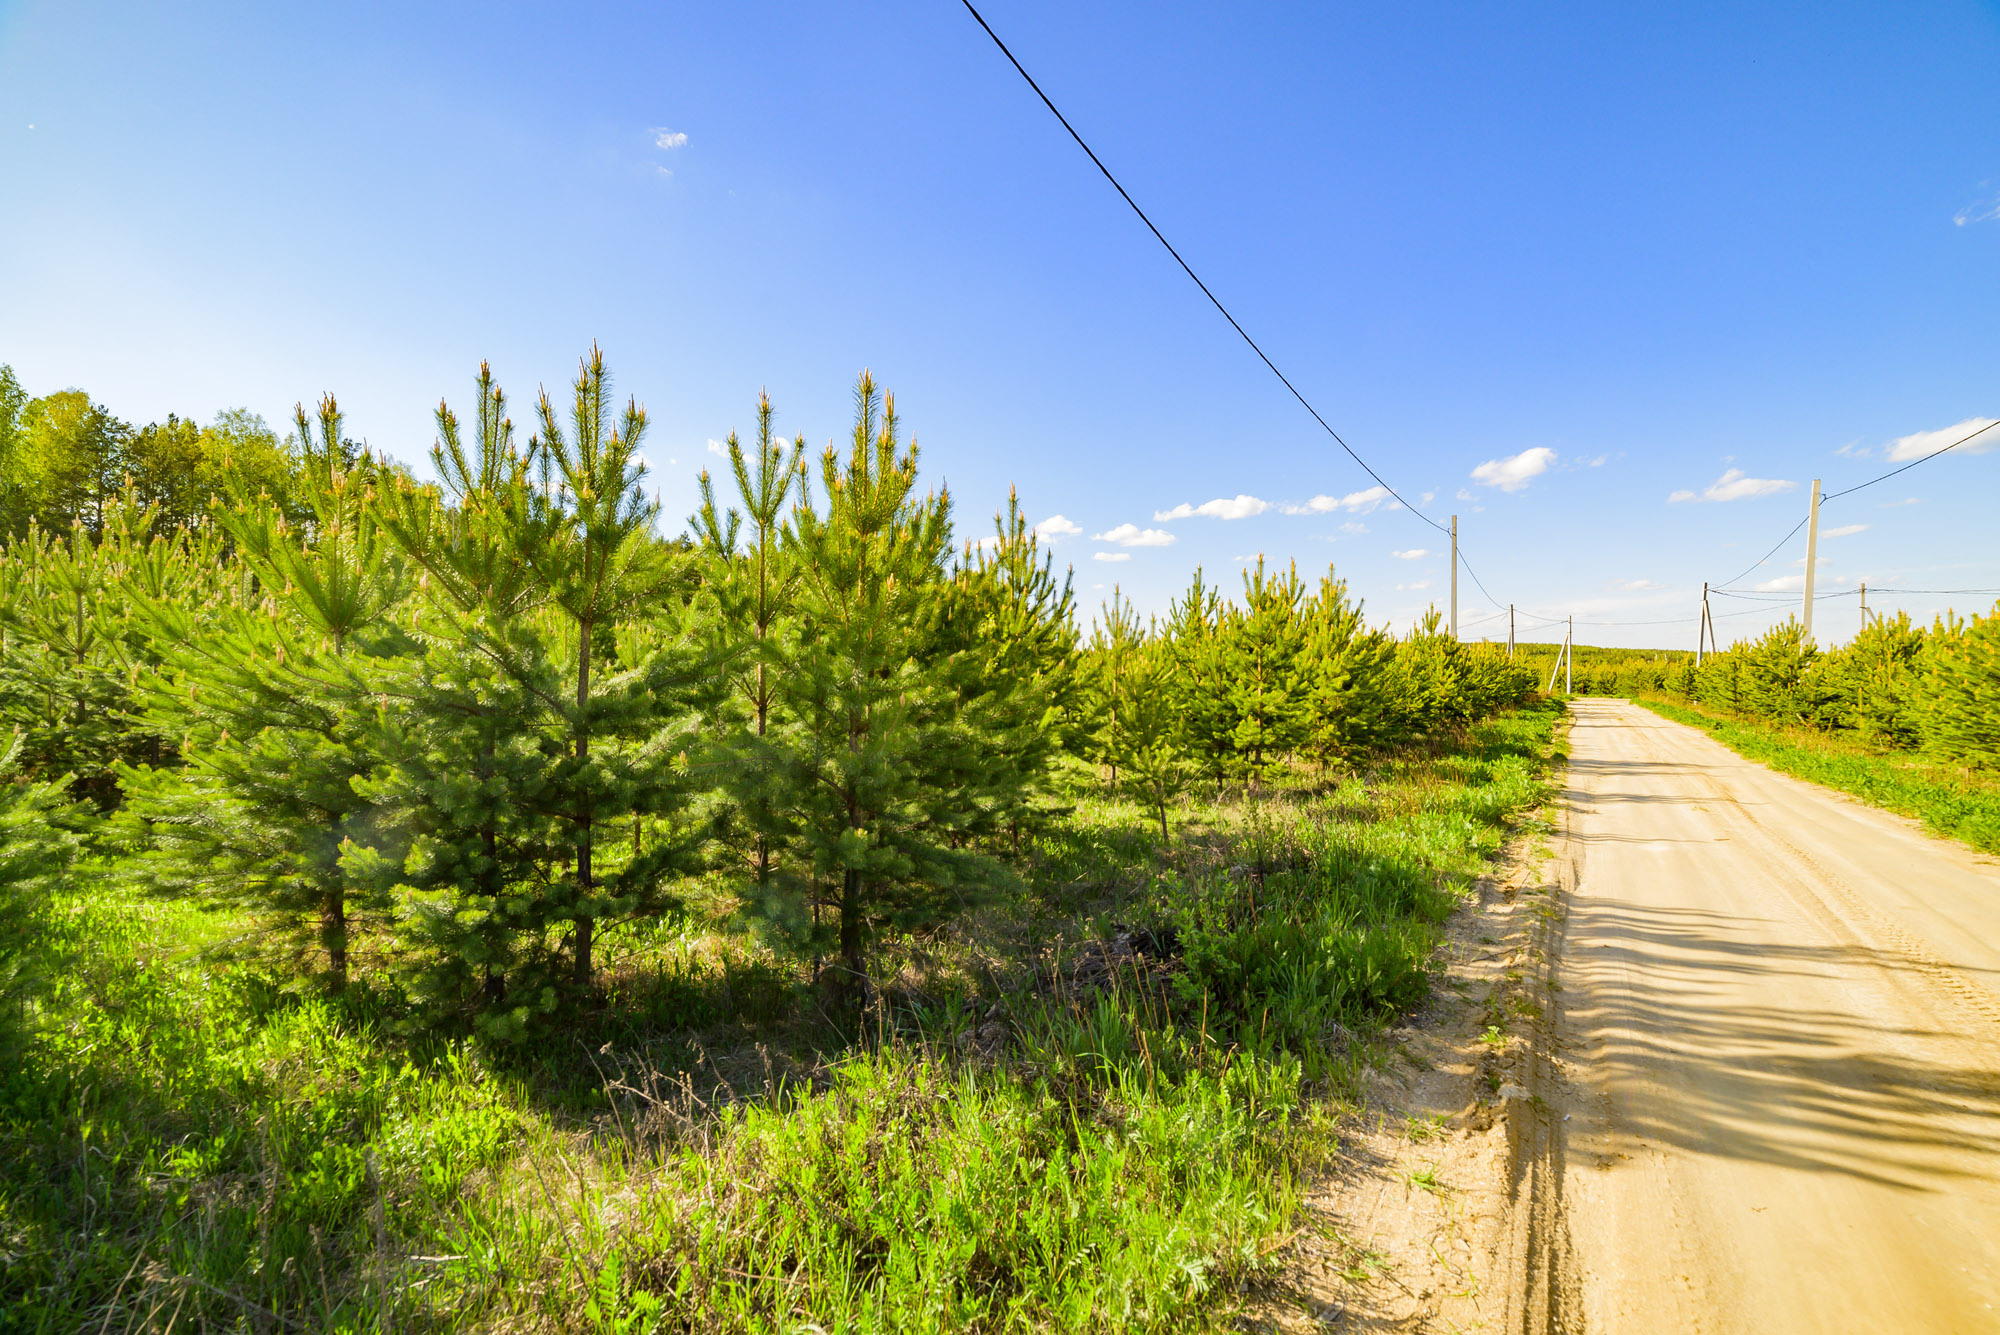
{"type": "Point", "coordinates": [1444, 1214]}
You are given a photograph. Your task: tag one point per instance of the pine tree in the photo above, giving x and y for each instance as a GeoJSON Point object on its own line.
{"type": "Point", "coordinates": [1264, 682]}
{"type": "Point", "coordinates": [1116, 640]}
{"type": "Point", "coordinates": [1342, 663]}
{"type": "Point", "coordinates": [271, 690]}
{"type": "Point", "coordinates": [869, 740]}
{"type": "Point", "coordinates": [1010, 628]}
{"type": "Point", "coordinates": [1195, 629]}
{"type": "Point", "coordinates": [36, 852]}
{"type": "Point", "coordinates": [1962, 667]}
{"type": "Point", "coordinates": [593, 547]}
{"type": "Point", "coordinates": [1148, 743]}
{"type": "Point", "coordinates": [752, 590]}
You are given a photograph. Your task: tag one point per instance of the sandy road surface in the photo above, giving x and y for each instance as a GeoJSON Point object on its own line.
{"type": "Point", "coordinates": [1778, 1044]}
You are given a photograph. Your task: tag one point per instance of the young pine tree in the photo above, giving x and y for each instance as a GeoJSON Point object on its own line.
{"type": "Point", "coordinates": [271, 691]}
{"type": "Point", "coordinates": [868, 738]}
{"type": "Point", "coordinates": [1010, 629]}
{"type": "Point", "coordinates": [1265, 683]}
{"type": "Point", "coordinates": [752, 588]}
{"type": "Point", "coordinates": [594, 548]}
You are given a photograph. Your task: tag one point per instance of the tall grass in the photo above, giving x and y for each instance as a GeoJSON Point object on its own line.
{"type": "Point", "coordinates": [1089, 1112]}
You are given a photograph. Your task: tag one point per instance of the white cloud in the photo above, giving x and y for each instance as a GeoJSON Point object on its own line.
{"type": "Point", "coordinates": [1917, 445]}
{"type": "Point", "coordinates": [1783, 584]}
{"type": "Point", "coordinates": [1464, 495]}
{"type": "Point", "coordinates": [1415, 553]}
{"type": "Point", "coordinates": [1897, 505]}
{"type": "Point", "coordinates": [989, 543]}
{"type": "Point", "coordinates": [1354, 503]}
{"type": "Point", "coordinates": [1598, 462]}
{"type": "Point", "coordinates": [1844, 530]}
{"type": "Point", "coordinates": [1987, 210]}
{"type": "Point", "coordinates": [665, 138]}
{"type": "Point", "coordinates": [1055, 527]}
{"type": "Point", "coordinates": [1131, 535]}
{"type": "Point", "coordinates": [1352, 527]}
{"type": "Point", "coordinates": [1516, 470]}
{"type": "Point", "coordinates": [664, 171]}
{"type": "Point", "coordinates": [1853, 449]}
{"type": "Point", "coordinates": [1734, 486]}
{"type": "Point", "coordinates": [717, 447]}
{"type": "Point", "coordinates": [1427, 498]}
{"type": "Point", "coordinates": [1111, 556]}
{"type": "Point", "coordinates": [1241, 507]}
{"type": "Point", "coordinates": [1636, 585]}
{"type": "Point", "coordinates": [1420, 584]}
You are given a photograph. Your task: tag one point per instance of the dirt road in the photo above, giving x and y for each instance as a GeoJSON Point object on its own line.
{"type": "Point", "coordinates": [1777, 1048]}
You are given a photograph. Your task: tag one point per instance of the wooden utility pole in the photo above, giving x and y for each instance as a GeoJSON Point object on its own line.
{"type": "Point", "coordinates": [1454, 574]}
{"type": "Point", "coordinates": [1812, 555]}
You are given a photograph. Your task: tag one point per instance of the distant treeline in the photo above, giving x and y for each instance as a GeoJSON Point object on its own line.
{"type": "Point", "coordinates": [437, 737]}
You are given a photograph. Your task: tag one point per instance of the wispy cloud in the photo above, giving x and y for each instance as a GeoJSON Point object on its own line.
{"type": "Point", "coordinates": [1414, 554]}
{"type": "Point", "coordinates": [1845, 530]}
{"type": "Point", "coordinates": [1354, 503]}
{"type": "Point", "coordinates": [1111, 556]}
{"type": "Point", "coordinates": [1783, 584]}
{"type": "Point", "coordinates": [1853, 449]}
{"type": "Point", "coordinates": [1057, 527]}
{"type": "Point", "coordinates": [717, 447]}
{"type": "Point", "coordinates": [1516, 470]}
{"type": "Point", "coordinates": [667, 139]}
{"type": "Point", "coordinates": [1420, 584]}
{"type": "Point", "coordinates": [1897, 505]}
{"type": "Point", "coordinates": [1131, 535]}
{"type": "Point", "coordinates": [1735, 486]}
{"type": "Point", "coordinates": [1637, 585]}
{"type": "Point", "coordinates": [1918, 444]}
{"type": "Point", "coordinates": [1985, 210]}
{"type": "Point", "coordinates": [1353, 526]}
{"type": "Point", "coordinates": [1222, 507]}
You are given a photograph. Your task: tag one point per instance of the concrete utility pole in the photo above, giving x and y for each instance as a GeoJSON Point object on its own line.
{"type": "Point", "coordinates": [1864, 605]}
{"type": "Point", "coordinates": [1701, 625]}
{"type": "Point", "coordinates": [1454, 574]}
{"type": "Point", "coordinates": [1569, 659]}
{"type": "Point", "coordinates": [1510, 632]}
{"type": "Point", "coordinates": [1812, 555]}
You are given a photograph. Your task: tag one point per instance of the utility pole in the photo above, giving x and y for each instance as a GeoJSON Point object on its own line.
{"type": "Point", "coordinates": [1569, 658]}
{"type": "Point", "coordinates": [1510, 628]}
{"type": "Point", "coordinates": [1454, 573]}
{"type": "Point", "coordinates": [1864, 605]}
{"type": "Point", "coordinates": [1812, 555]}
{"type": "Point", "coordinates": [1701, 624]}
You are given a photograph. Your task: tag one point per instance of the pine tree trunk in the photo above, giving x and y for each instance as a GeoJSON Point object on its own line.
{"type": "Point", "coordinates": [333, 936]}
{"type": "Point", "coordinates": [584, 920]}
{"type": "Point", "coordinates": [850, 932]}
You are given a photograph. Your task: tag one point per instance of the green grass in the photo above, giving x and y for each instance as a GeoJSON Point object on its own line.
{"type": "Point", "coordinates": [1949, 799]}
{"type": "Point", "coordinates": [185, 1143]}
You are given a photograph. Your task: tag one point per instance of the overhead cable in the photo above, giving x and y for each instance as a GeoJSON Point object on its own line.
{"type": "Point", "coordinates": [1857, 487]}
{"type": "Point", "coordinates": [1214, 301]}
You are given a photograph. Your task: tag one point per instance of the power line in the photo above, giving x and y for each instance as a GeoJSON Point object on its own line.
{"type": "Point", "coordinates": [1857, 487]}
{"type": "Point", "coordinates": [1212, 298]}
{"type": "Point", "coordinates": [1908, 466]}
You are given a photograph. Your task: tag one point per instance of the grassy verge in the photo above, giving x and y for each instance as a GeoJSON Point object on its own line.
{"type": "Point", "coordinates": [1088, 1111]}
{"type": "Point", "coordinates": [1949, 799]}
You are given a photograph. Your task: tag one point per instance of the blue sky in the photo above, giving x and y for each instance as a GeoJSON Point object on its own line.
{"type": "Point", "coordinates": [1649, 249]}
